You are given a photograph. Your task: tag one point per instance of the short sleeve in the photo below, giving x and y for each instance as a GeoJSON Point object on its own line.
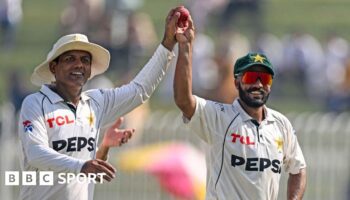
{"type": "Point", "coordinates": [293, 158]}
{"type": "Point", "coordinates": [202, 120]}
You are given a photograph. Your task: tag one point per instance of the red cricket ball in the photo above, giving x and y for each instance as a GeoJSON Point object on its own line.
{"type": "Point", "coordinates": [184, 14]}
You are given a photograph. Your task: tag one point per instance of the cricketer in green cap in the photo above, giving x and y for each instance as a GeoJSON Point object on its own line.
{"type": "Point", "coordinates": [252, 59]}
{"type": "Point", "coordinates": [253, 138]}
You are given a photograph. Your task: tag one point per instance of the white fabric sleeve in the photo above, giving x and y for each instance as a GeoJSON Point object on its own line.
{"type": "Point", "coordinates": [119, 101]}
{"type": "Point", "coordinates": [293, 158]}
{"type": "Point", "coordinates": [34, 140]}
{"type": "Point", "coordinates": [203, 119]}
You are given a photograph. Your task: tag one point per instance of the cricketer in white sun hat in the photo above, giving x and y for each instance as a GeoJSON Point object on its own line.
{"type": "Point", "coordinates": [99, 64]}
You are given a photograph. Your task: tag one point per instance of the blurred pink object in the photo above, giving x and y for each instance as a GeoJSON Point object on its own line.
{"type": "Point", "coordinates": [179, 167]}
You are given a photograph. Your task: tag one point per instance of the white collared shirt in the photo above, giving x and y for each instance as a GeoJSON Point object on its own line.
{"type": "Point", "coordinates": [245, 158]}
{"type": "Point", "coordinates": [56, 137]}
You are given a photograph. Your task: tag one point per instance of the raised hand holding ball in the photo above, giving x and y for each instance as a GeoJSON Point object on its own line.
{"type": "Point", "coordinates": [184, 14]}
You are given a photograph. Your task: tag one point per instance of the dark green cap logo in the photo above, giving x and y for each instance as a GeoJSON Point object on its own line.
{"type": "Point", "coordinates": [252, 59]}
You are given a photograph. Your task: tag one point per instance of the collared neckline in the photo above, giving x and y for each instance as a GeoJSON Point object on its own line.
{"type": "Point", "coordinates": [246, 117]}
{"type": "Point", "coordinates": [55, 98]}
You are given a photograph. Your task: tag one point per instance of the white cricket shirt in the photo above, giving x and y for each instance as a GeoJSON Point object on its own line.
{"type": "Point", "coordinates": [56, 137]}
{"type": "Point", "coordinates": [245, 158]}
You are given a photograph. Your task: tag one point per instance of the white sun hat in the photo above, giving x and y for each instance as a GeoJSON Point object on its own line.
{"type": "Point", "coordinates": [99, 64]}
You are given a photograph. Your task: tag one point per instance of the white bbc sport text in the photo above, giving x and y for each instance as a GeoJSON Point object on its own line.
{"type": "Point", "coordinates": [12, 178]}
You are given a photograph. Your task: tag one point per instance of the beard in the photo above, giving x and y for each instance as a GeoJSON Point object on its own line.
{"type": "Point", "coordinates": [253, 102]}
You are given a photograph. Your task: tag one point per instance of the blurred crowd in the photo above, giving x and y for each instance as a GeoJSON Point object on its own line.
{"type": "Point", "coordinates": [10, 18]}
{"type": "Point", "coordinates": [318, 71]}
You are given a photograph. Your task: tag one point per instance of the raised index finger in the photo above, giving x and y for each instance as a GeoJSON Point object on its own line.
{"type": "Point", "coordinates": [117, 123]}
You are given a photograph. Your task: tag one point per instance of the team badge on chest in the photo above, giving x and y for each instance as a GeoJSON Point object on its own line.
{"type": "Point", "coordinates": [279, 144]}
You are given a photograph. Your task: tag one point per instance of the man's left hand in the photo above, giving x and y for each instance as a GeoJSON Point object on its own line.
{"type": "Point", "coordinates": [115, 136]}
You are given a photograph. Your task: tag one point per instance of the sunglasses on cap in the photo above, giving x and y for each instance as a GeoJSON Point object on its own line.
{"type": "Point", "coordinates": [250, 77]}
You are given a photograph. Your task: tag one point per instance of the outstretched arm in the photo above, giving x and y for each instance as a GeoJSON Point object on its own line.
{"type": "Point", "coordinates": [183, 72]}
{"type": "Point", "coordinates": [296, 185]}
{"type": "Point", "coordinates": [122, 100]}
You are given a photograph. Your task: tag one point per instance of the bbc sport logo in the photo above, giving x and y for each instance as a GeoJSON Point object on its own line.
{"type": "Point", "coordinates": [16, 178]}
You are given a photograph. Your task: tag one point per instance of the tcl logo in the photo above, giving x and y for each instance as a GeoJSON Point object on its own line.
{"type": "Point", "coordinates": [242, 139]}
{"type": "Point", "coordinates": [59, 121]}
{"type": "Point", "coordinates": [74, 144]}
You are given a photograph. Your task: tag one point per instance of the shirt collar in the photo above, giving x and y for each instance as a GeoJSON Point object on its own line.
{"type": "Point", "coordinates": [269, 116]}
{"type": "Point", "coordinates": [84, 97]}
{"type": "Point", "coordinates": [55, 98]}
{"type": "Point", "coordinates": [246, 117]}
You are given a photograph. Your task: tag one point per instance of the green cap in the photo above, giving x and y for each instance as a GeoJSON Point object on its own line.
{"type": "Point", "coordinates": [251, 59]}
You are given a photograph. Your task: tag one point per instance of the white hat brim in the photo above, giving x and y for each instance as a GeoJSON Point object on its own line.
{"type": "Point", "coordinates": [100, 61]}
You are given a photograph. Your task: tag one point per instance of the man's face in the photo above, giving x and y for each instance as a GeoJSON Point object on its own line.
{"type": "Point", "coordinates": [256, 92]}
{"type": "Point", "coordinates": [72, 68]}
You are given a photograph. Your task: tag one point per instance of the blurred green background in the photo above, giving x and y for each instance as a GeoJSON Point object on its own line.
{"type": "Point", "coordinates": [39, 30]}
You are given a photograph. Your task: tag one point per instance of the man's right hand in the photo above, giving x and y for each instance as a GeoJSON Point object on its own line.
{"type": "Point", "coordinates": [99, 166]}
{"type": "Point", "coordinates": [171, 27]}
